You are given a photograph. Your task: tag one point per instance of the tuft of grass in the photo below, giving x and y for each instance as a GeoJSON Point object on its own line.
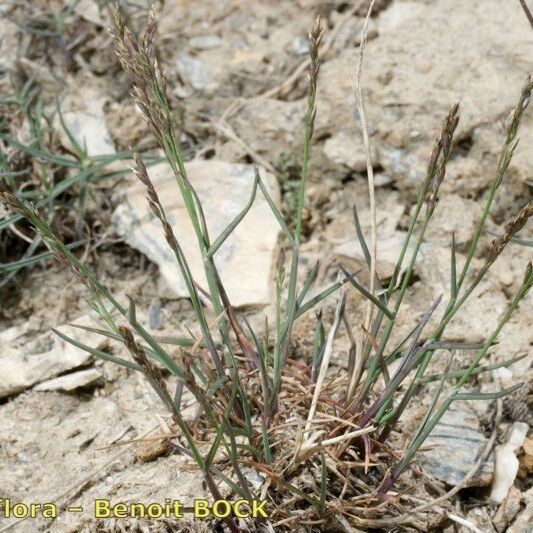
{"type": "Point", "coordinates": [56, 180]}
{"type": "Point", "coordinates": [263, 408]}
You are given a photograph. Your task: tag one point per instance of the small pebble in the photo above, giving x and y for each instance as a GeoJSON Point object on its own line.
{"type": "Point", "coordinates": [506, 277]}
{"type": "Point", "coordinates": [300, 46]}
{"type": "Point", "coordinates": [382, 180]}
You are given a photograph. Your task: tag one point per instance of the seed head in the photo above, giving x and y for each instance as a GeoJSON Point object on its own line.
{"type": "Point", "coordinates": [439, 157]}
{"type": "Point", "coordinates": [511, 228]}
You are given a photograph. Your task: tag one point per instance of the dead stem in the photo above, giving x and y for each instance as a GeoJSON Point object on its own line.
{"type": "Point", "coordinates": [369, 170]}
{"type": "Point", "coordinates": [527, 11]}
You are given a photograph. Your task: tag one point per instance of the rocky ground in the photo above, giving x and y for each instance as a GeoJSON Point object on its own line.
{"type": "Point", "coordinates": [234, 77]}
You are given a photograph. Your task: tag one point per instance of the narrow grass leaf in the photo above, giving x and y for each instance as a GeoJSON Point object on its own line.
{"type": "Point", "coordinates": [274, 209]}
{"type": "Point", "coordinates": [362, 243]}
{"type": "Point", "coordinates": [486, 395]}
{"type": "Point", "coordinates": [319, 297]}
{"type": "Point", "coordinates": [233, 224]}
{"type": "Point", "coordinates": [436, 397]}
{"type": "Point", "coordinates": [453, 271]}
{"type": "Point", "coordinates": [98, 353]}
{"type": "Point", "coordinates": [309, 280]}
{"type": "Point", "coordinates": [366, 293]}
{"type": "Point", "coordinates": [478, 370]}
{"type": "Point", "coordinates": [81, 152]}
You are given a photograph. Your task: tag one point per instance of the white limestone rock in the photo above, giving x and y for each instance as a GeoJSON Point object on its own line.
{"type": "Point", "coordinates": [245, 261]}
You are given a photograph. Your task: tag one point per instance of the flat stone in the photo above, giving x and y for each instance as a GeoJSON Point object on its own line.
{"type": "Point", "coordinates": [382, 180]}
{"type": "Point", "coordinates": [456, 443]}
{"type": "Point", "coordinates": [453, 214]}
{"type": "Point", "coordinates": [245, 261]}
{"type": "Point", "coordinates": [13, 333]}
{"type": "Point", "coordinates": [91, 11]}
{"type": "Point", "coordinates": [280, 124]}
{"type": "Point", "coordinates": [70, 382]}
{"type": "Point", "coordinates": [27, 361]}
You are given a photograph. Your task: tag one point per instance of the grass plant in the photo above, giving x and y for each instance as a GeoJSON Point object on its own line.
{"type": "Point", "coordinates": [265, 409]}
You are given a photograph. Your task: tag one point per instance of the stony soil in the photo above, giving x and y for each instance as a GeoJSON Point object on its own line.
{"type": "Point", "coordinates": [228, 63]}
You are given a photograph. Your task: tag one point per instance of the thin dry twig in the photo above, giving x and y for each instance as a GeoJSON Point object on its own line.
{"type": "Point", "coordinates": [371, 193]}
{"type": "Point", "coordinates": [527, 11]}
{"type": "Point", "coordinates": [223, 127]}
{"type": "Point", "coordinates": [325, 364]}
{"type": "Point", "coordinates": [310, 445]}
{"type": "Point", "coordinates": [463, 522]}
{"type": "Point", "coordinates": [369, 168]}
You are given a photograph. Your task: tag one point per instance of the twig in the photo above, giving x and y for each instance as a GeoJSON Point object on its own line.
{"type": "Point", "coordinates": [369, 169]}
{"type": "Point", "coordinates": [137, 441]}
{"type": "Point", "coordinates": [325, 363]}
{"type": "Point", "coordinates": [463, 522]}
{"type": "Point", "coordinates": [527, 12]}
{"type": "Point", "coordinates": [310, 445]}
{"type": "Point", "coordinates": [19, 234]}
{"type": "Point", "coordinates": [223, 127]}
